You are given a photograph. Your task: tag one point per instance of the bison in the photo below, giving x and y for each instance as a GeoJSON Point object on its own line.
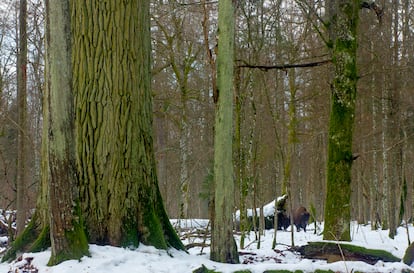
{"type": "Point", "coordinates": [301, 218]}
{"type": "Point", "coordinates": [283, 220]}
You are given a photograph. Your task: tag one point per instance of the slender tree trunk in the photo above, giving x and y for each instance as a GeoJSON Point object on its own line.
{"type": "Point", "coordinates": [184, 163]}
{"type": "Point", "coordinates": [223, 245]}
{"type": "Point", "coordinates": [240, 164]}
{"type": "Point", "coordinates": [119, 190]}
{"type": "Point", "coordinates": [66, 227]}
{"type": "Point", "coordinates": [374, 185]}
{"type": "Point", "coordinates": [343, 16]}
{"type": "Point", "coordinates": [21, 192]}
{"type": "Point", "coordinates": [291, 145]}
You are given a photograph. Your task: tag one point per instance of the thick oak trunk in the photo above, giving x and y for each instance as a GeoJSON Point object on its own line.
{"type": "Point", "coordinates": [118, 183]}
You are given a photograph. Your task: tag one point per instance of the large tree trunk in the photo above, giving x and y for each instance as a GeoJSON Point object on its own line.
{"type": "Point", "coordinates": [68, 237]}
{"type": "Point", "coordinates": [21, 184]}
{"type": "Point", "coordinates": [343, 24]}
{"type": "Point", "coordinates": [223, 246]}
{"type": "Point", "coordinates": [118, 184]}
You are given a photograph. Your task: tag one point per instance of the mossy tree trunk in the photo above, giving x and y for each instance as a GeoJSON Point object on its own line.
{"type": "Point", "coordinates": [223, 246]}
{"type": "Point", "coordinates": [67, 233]}
{"type": "Point", "coordinates": [119, 191]}
{"type": "Point", "coordinates": [343, 16]}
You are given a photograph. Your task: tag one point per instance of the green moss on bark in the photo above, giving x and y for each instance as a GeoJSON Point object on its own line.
{"type": "Point", "coordinates": [78, 245]}
{"type": "Point", "coordinates": [35, 237]}
{"type": "Point", "coordinates": [344, 44]}
{"type": "Point", "coordinates": [22, 241]}
{"type": "Point", "coordinates": [43, 240]}
{"type": "Point", "coordinates": [75, 239]}
{"type": "Point", "coordinates": [333, 252]}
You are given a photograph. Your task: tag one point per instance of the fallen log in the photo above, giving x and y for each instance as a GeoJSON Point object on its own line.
{"type": "Point", "coordinates": [333, 252]}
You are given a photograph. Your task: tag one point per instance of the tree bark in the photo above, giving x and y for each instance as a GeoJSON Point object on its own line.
{"type": "Point", "coordinates": [118, 184]}
{"type": "Point", "coordinates": [21, 184]}
{"type": "Point", "coordinates": [223, 246]}
{"type": "Point", "coordinates": [343, 16]}
{"type": "Point", "coordinates": [67, 233]}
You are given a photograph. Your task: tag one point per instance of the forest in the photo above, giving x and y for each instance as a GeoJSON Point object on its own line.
{"type": "Point", "coordinates": [312, 99]}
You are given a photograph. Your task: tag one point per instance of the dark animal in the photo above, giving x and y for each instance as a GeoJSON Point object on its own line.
{"type": "Point", "coordinates": [301, 218]}
{"type": "Point", "coordinates": [283, 220]}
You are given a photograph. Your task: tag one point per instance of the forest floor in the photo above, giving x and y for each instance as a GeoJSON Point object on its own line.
{"type": "Point", "coordinates": [284, 258]}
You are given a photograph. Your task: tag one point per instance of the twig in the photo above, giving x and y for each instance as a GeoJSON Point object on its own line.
{"type": "Point", "coordinates": [342, 253]}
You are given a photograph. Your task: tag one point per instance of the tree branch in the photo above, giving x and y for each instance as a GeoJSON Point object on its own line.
{"type": "Point", "coordinates": [282, 66]}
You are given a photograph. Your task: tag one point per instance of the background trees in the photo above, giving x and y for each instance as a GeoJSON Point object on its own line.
{"type": "Point", "coordinates": [268, 33]}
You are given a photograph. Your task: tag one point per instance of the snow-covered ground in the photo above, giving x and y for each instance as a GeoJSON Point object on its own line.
{"type": "Point", "coordinates": [145, 259]}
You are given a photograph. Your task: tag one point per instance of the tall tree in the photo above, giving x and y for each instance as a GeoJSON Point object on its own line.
{"type": "Point", "coordinates": [223, 246]}
{"type": "Point", "coordinates": [119, 191]}
{"type": "Point", "coordinates": [21, 183]}
{"type": "Point", "coordinates": [67, 233]}
{"type": "Point", "coordinates": [343, 16]}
